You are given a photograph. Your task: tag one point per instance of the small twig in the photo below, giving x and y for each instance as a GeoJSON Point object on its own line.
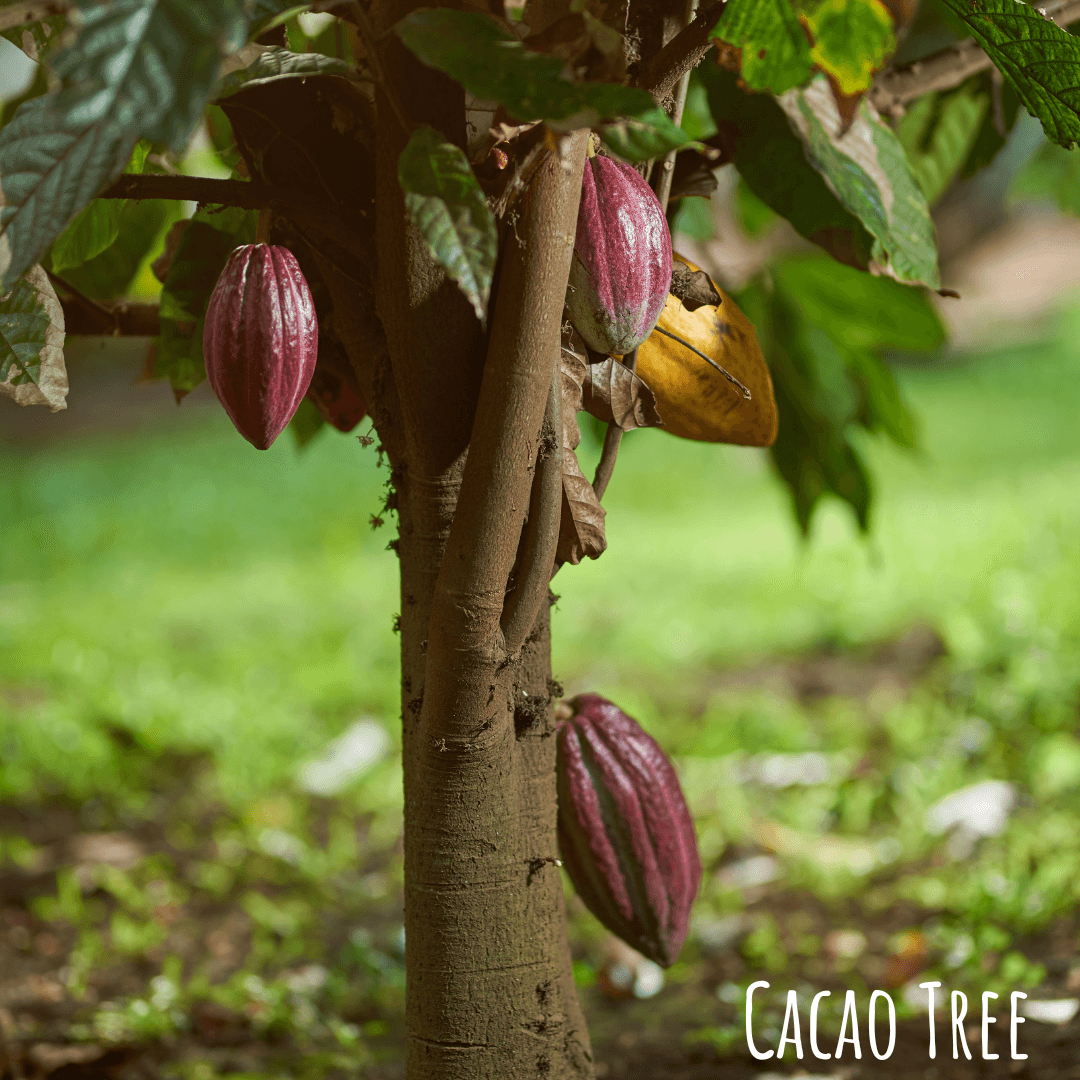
{"type": "Point", "coordinates": [541, 537]}
{"type": "Point", "coordinates": [612, 438]}
{"type": "Point", "coordinates": [708, 360]}
{"type": "Point", "coordinates": [91, 307]}
{"type": "Point", "coordinates": [667, 165]}
{"type": "Point", "coordinates": [248, 194]}
{"type": "Point", "coordinates": [950, 67]}
{"type": "Point", "coordinates": [681, 54]}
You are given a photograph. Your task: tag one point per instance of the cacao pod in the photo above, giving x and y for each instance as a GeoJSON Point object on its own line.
{"type": "Point", "coordinates": [694, 400]}
{"type": "Point", "coordinates": [260, 340]}
{"type": "Point", "coordinates": [625, 834]}
{"type": "Point", "coordinates": [621, 269]}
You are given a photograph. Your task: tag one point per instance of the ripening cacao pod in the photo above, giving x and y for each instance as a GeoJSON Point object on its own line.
{"type": "Point", "coordinates": [621, 270]}
{"type": "Point", "coordinates": [337, 396]}
{"type": "Point", "coordinates": [260, 340]}
{"type": "Point", "coordinates": [625, 834]}
{"type": "Point", "coordinates": [694, 400]}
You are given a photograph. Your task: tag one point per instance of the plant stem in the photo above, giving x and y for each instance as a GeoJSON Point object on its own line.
{"type": "Point", "coordinates": [667, 166]}
{"type": "Point", "coordinates": [612, 438]}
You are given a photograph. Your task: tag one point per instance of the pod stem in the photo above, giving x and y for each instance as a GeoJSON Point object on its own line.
{"type": "Point", "coordinates": [262, 229]}
{"type": "Point", "coordinates": [723, 371]}
{"type": "Point", "coordinates": [612, 439]}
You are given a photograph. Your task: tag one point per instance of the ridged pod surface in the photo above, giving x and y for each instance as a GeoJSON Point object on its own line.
{"type": "Point", "coordinates": [260, 340]}
{"type": "Point", "coordinates": [621, 270]}
{"type": "Point", "coordinates": [694, 400]}
{"type": "Point", "coordinates": [625, 834]}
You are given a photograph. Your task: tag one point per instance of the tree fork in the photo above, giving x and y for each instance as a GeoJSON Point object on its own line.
{"type": "Point", "coordinates": [490, 988]}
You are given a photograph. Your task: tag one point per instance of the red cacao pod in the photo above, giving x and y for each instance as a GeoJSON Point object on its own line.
{"type": "Point", "coordinates": [621, 271]}
{"type": "Point", "coordinates": [260, 340]}
{"type": "Point", "coordinates": [626, 836]}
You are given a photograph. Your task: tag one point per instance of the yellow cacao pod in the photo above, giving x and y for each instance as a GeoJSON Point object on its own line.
{"type": "Point", "coordinates": [694, 400]}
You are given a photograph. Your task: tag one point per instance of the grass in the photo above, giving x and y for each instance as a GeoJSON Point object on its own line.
{"type": "Point", "coordinates": [185, 621]}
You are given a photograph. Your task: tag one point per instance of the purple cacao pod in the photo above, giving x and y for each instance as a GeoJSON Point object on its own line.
{"type": "Point", "coordinates": [260, 340]}
{"type": "Point", "coordinates": [625, 834]}
{"type": "Point", "coordinates": [621, 271]}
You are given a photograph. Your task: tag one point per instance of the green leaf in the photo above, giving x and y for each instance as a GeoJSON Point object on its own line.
{"type": "Point", "coordinates": [204, 248]}
{"type": "Point", "coordinates": [1038, 58]}
{"type": "Point", "coordinates": [276, 64]}
{"type": "Point", "coordinates": [938, 132]}
{"type": "Point", "coordinates": [866, 168]}
{"type": "Point", "coordinates": [448, 207]}
{"type": "Point", "coordinates": [989, 141]}
{"type": "Point", "coordinates": [32, 343]}
{"type": "Point", "coordinates": [852, 40]}
{"type": "Point", "coordinates": [824, 328]}
{"type": "Point", "coordinates": [858, 310]}
{"type": "Point", "coordinates": [266, 14]}
{"type": "Point", "coordinates": [97, 225]}
{"type": "Point", "coordinates": [775, 52]}
{"type": "Point", "coordinates": [772, 162]}
{"type": "Point", "coordinates": [494, 65]}
{"type": "Point", "coordinates": [650, 135]}
{"type": "Point", "coordinates": [138, 68]}
{"type": "Point", "coordinates": [51, 166]}
{"type": "Point", "coordinates": [37, 38]}
{"type": "Point", "coordinates": [109, 276]}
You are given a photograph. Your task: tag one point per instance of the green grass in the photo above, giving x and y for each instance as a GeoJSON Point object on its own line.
{"type": "Point", "coordinates": [175, 596]}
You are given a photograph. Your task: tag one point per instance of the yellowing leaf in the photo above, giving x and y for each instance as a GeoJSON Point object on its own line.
{"type": "Point", "coordinates": [32, 368]}
{"type": "Point", "coordinates": [852, 40]}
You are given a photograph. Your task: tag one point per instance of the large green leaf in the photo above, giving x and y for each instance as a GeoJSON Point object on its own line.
{"type": "Point", "coordinates": [276, 64]}
{"type": "Point", "coordinates": [852, 40]}
{"type": "Point", "coordinates": [775, 51]}
{"type": "Point", "coordinates": [860, 311]}
{"type": "Point", "coordinates": [448, 207]}
{"type": "Point", "coordinates": [1040, 60]}
{"type": "Point", "coordinates": [109, 276]}
{"type": "Point", "coordinates": [824, 329]}
{"type": "Point", "coordinates": [51, 165]}
{"type": "Point", "coordinates": [32, 343]}
{"type": "Point", "coordinates": [864, 164]}
{"type": "Point", "coordinates": [938, 133]}
{"type": "Point", "coordinates": [96, 226]}
{"type": "Point", "coordinates": [494, 65]}
{"type": "Point", "coordinates": [138, 68]}
{"type": "Point", "coordinates": [772, 162]}
{"type": "Point", "coordinates": [201, 254]}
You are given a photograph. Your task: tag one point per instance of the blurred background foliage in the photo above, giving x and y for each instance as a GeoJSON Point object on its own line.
{"type": "Point", "coordinates": [199, 785]}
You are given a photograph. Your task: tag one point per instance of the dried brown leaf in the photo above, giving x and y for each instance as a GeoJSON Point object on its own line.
{"type": "Point", "coordinates": [581, 529]}
{"type": "Point", "coordinates": [574, 368]}
{"type": "Point", "coordinates": [614, 394]}
{"type": "Point", "coordinates": [693, 287]}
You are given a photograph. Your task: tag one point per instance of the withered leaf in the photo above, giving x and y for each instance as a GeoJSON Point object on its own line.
{"type": "Point", "coordinates": [693, 287]}
{"type": "Point", "coordinates": [581, 529]}
{"type": "Point", "coordinates": [614, 394]}
{"type": "Point", "coordinates": [573, 367]}
{"type": "Point", "coordinates": [693, 175]}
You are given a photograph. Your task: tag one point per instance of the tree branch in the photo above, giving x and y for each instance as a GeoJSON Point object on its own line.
{"type": "Point", "coordinates": [948, 68]}
{"type": "Point", "coordinates": [680, 55]}
{"type": "Point", "coordinates": [248, 194]}
{"type": "Point", "coordinates": [612, 438]}
{"type": "Point", "coordinates": [522, 351]}
{"type": "Point", "coordinates": [31, 11]}
{"type": "Point", "coordinates": [121, 320]}
{"type": "Point", "coordinates": [541, 536]}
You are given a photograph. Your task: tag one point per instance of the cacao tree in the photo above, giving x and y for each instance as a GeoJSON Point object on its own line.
{"type": "Point", "coordinates": [422, 167]}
